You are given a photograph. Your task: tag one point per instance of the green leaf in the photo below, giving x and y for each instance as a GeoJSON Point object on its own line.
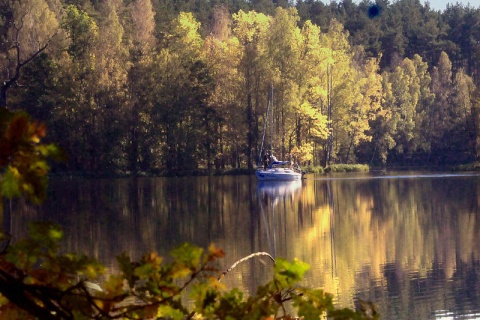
{"type": "Point", "coordinates": [205, 298]}
{"type": "Point", "coordinates": [144, 271]}
{"type": "Point", "coordinates": [180, 272]}
{"type": "Point", "coordinates": [312, 304]}
{"type": "Point", "coordinates": [345, 314]}
{"type": "Point", "coordinates": [288, 273]}
{"type": "Point", "coordinates": [125, 263]}
{"type": "Point", "coordinates": [127, 267]}
{"type": "Point", "coordinates": [166, 311]}
{"type": "Point", "coordinates": [309, 311]}
{"type": "Point", "coordinates": [45, 232]}
{"type": "Point", "coordinates": [10, 183]}
{"type": "Point", "coordinates": [188, 255]}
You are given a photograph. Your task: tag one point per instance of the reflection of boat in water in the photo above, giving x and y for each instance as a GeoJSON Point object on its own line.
{"type": "Point", "coordinates": [276, 189]}
{"type": "Point", "coordinates": [270, 194]}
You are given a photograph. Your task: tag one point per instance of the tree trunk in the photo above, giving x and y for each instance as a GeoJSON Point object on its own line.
{"type": "Point", "coordinates": [298, 137]}
{"type": "Point", "coordinates": [250, 131]}
{"type": "Point", "coordinates": [349, 148]}
{"type": "Point", "coordinates": [329, 147]}
{"type": "Point", "coordinates": [133, 154]}
{"type": "Point", "coordinates": [3, 94]}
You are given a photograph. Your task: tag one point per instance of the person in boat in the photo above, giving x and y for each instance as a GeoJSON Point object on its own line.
{"type": "Point", "coordinates": [265, 160]}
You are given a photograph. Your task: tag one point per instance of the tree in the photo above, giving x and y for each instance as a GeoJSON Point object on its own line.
{"type": "Point", "coordinates": [364, 26]}
{"type": "Point", "coordinates": [367, 108]}
{"type": "Point", "coordinates": [342, 92]}
{"type": "Point", "coordinates": [393, 38]}
{"type": "Point", "coordinates": [383, 127]}
{"type": "Point", "coordinates": [77, 89]}
{"type": "Point", "coordinates": [82, 32]}
{"type": "Point", "coordinates": [454, 18]}
{"type": "Point", "coordinates": [310, 124]}
{"type": "Point", "coordinates": [138, 106]}
{"type": "Point", "coordinates": [31, 25]}
{"type": "Point", "coordinates": [284, 51]}
{"type": "Point", "coordinates": [403, 103]}
{"type": "Point", "coordinates": [441, 116]}
{"type": "Point", "coordinates": [422, 131]}
{"type": "Point", "coordinates": [463, 32]}
{"type": "Point", "coordinates": [183, 85]}
{"type": "Point", "coordinates": [461, 136]}
{"type": "Point", "coordinates": [110, 93]}
{"type": "Point", "coordinates": [143, 23]}
{"type": "Point", "coordinates": [222, 54]}
{"type": "Point", "coordinates": [251, 30]}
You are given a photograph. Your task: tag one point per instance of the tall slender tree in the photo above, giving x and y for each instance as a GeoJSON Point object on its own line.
{"type": "Point", "coordinates": [310, 123]}
{"type": "Point", "coordinates": [138, 111]}
{"type": "Point", "coordinates": [222, 53]}
{"type": "Point", "coordinates": [342, 92]}
{"type": "Point", "coordinates": [251, 29]}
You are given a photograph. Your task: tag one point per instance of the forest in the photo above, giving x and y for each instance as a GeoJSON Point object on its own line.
{"type": "Point", "coordinates": [170, 86]}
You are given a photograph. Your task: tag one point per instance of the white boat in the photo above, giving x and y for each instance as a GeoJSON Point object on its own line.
{"type": "Point", "coordinates": [279, 171]}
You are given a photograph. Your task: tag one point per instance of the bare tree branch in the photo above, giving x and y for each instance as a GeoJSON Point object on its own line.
{"type": "Point", "coordinates": [19, 64]}
{"type": "Point", "coordinates": [256, 254]}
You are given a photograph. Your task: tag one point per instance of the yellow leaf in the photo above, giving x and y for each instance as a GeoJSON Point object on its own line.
{"type": "Point", "coordinates": [214, 283]}
{"type": "Point", "coordinates": [215, 252]}
{"type": "Point", "coordinates": [181, 272]}
{"type": "Point", "coordinates": [114, 285]}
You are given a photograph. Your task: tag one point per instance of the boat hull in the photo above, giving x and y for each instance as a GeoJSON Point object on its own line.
{"type": "Point", "coordinates": [278, 174]}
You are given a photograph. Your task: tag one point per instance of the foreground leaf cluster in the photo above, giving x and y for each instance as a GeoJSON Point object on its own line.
{"type": "Point", "coordinates": [23, 158]}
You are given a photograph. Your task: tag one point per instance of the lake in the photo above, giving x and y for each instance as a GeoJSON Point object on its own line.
{"type": "Point", "coordinates": [408, 241]}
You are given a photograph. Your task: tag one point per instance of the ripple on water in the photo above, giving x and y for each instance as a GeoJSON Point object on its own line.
{"type": "Point", "coordinates": [427, 294]}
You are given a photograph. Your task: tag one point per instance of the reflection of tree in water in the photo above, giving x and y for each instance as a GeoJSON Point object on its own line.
{"type": "Point", "coordinates": [437, 292]}
{"type": "Point", "coordinates": [466, 285]}
{"type": "Point", "coordinates": [403, 240]}
{"type": "Point", "coordinates": [393, 279]}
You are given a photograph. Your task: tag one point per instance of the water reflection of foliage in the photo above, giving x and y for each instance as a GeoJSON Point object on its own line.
{"type": "Point", "coordinates": [387, 240]}
{"type": "Point", "coordinates": [388, 233]}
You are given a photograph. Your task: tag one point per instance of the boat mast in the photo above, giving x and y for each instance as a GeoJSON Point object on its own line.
{"type": "Point", "coordinates": [265, 127]}
{"type": "Point", "coordinates": [271, 126]}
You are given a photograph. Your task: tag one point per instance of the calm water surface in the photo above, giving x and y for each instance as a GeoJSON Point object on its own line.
{"type": "Point", "coordinates": [410, 242]}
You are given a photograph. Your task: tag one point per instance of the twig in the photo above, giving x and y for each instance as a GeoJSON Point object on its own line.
{"type": "Point", "coordinates": [245, 259]}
